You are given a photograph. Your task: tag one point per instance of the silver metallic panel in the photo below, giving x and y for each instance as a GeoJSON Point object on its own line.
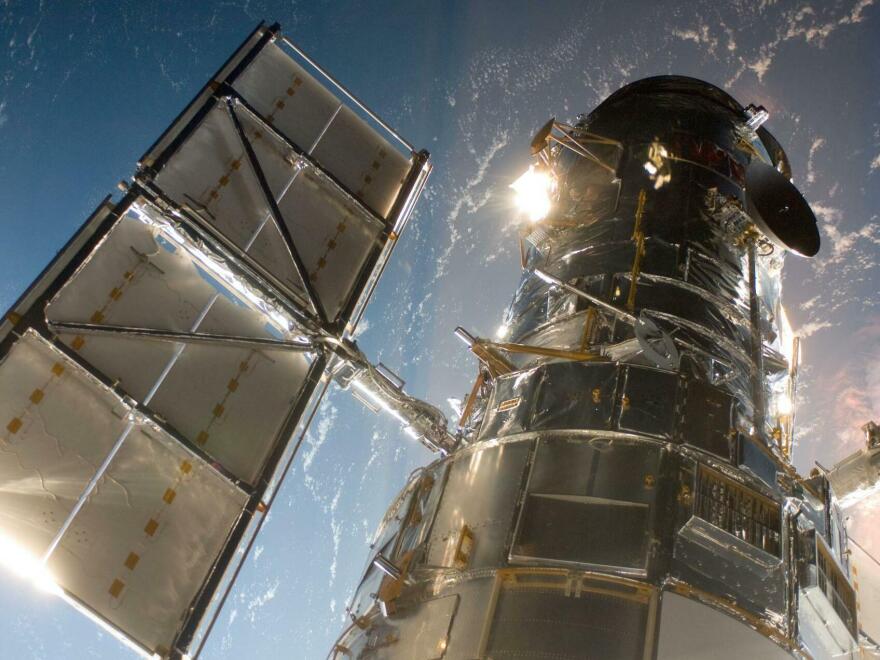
{"type": "Point", "coordinates": [706, 418]}
{"type": "Point", "coordinates": [481, 493]}
{"type": "Point", "coordinates": [306, 104]}
{"type": "Point", "coordinates": [363, 161]}
{"type": "Point", "coordinates": [509, 409]}
{"type": "Point", "coordinates": [820, 629]}
{"type": "Point", "coordinates": [822, 578]}
{"type": "Point", "coordinates": [718, 562]}
{"type": "Point", "coordinates": [866, 573]}
{"type": "Point", "coordinates": [647, 402]}
{"type": "Point", "coordinates": [148, 410]}
{"type": "Point", "coordinates": [588, 621]}
{"type": "Point", "coordinates": [232, 402]}
{"type": "Point", "coordinates": [143, 544]}
{"type": "Point", "coordinates": [333, 234]}
{"type": "Point", "coordinates": [582, 530]}
{"type": "Point", "coordinates": [473, 618]}
{"type": "Point", "coordinates": [690, 630]}
{"type": "Point", "coordinates": [211, 175]}
{"type": "Point", "coordinates": [214, 394]}
{"type": "Point", "coordinates": [138, 276]}
{"type": "Point", "coordinates": [152, 526]}
{"type": "Point", "coordinates": [404, 529]}
{"type": "Point", "coordinates": [559, 395]}
{"type": "Point", "coordinates": [422, 632]}
{"type": "Point", "coordinates": [589, 503]}
{"type": "Point", "coordinates": [575, 396]}
{"type": "Point", "coordinates": [302, 108]}
{"type": "Point", "coordinates": [57, 428]}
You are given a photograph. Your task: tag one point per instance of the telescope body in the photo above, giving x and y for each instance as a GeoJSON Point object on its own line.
{"type": "Point", "coordinates": [623, 487]}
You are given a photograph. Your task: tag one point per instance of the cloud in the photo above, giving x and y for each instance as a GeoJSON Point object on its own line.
{"type": "Point", "coordinates": [829, 214]}
{"type": "Point", "coordinates": [469, 200]}
{"type": "Point", "coordinates": [811, 303]}
{"type": "Point", "coordinates": [811, 171]}
{"type": "Point", "coordinates": [848, 252]}
{"type": "Point", "coordinates": [702, 37]}
{"type": "Point", "coordinates": [336, 528]}
{"type": "Point", "coordinates": [812, 327]}
{"type": "Point", "coordinates": [855, 16]}
{"type": "Point", "coordinates": [844, 242]}
{"type": "Point", "coordinates": [761, 66]}
{"type": "Point", "coordinates": [362, 326]}
{"type": "Point", "coordinates": [805, 24]}
{"type": "Point", "coordinates": [322, 431]}
{"type": "Point", "coordinates": [258, 602]}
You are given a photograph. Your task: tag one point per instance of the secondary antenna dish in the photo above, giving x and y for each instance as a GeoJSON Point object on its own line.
{"type": "Point", "coordinates": [656, 345]}
{"type": "Point", "coordinates": [780, 211]}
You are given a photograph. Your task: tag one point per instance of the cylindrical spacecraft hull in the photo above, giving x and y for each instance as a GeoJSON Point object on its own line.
{"type": "Point", "coordinates": [512, 570]}
{"type": "Point", "coordinates": [623, 488]}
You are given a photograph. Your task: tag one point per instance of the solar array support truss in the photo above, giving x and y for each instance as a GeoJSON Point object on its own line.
{"type": "Point", "coordinates": [155, 377]}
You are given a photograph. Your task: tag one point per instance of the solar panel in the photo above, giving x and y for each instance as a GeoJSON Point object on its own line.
{"type": "Point", "coordinates": [155, 376]}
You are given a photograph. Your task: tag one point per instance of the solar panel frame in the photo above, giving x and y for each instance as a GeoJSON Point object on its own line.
{"type": "Point", "coordinates": [28, 316]}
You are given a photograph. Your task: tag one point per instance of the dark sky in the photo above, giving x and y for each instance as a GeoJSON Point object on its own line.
{"type": "Point", "coordinates": [86, 86]}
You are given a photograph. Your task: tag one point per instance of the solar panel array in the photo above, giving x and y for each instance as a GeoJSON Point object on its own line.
{"type": "Point", "coordinates": [155, 375]}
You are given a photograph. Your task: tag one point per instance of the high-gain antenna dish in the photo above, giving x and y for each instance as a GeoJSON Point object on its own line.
{"type": "Point", "coordinates": [780, 211]}
{"type": "Point", "coordinates": [541, 137]}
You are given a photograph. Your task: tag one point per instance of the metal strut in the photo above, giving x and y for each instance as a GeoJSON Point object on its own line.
{"type": "Point", "coordinates": [374, 389]}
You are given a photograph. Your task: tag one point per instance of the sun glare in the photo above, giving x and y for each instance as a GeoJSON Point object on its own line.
{"type": "Point", "coordinates": [23, 564]}
{"type": "Point", "coordinates": [532, 193]}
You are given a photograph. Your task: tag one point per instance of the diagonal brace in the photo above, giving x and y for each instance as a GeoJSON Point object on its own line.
{"type": "Point", "coordinates": [275, 213]}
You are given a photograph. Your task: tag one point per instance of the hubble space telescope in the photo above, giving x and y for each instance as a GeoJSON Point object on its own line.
{"type": "Point", "coordinates": [619, 484]}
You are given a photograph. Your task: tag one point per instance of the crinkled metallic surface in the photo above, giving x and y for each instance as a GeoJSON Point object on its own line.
{"type": "Point", "coordinates": [625, 453]}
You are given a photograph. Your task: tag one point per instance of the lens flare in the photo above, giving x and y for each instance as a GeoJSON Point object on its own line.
{"type": "Point", "coordinates": [784, 405]}
{"type": "Point", "coordinates": [533, 191]}
{"type": "Point", "coordinates": [25, 565]}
